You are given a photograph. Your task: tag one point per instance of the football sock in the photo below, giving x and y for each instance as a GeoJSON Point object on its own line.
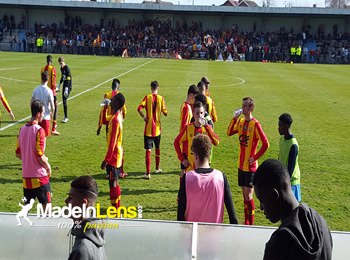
{"type": "Point", "coordinates": [122, 166]}
{"type": "Point", "coordinates": [115, 196]}
{"type": "Point", "coordinates": [65, 109]}
{"type": "Point", "coordinates": [246, 219]}
{"type": "Point", "coordinates": [55, 112]}
{"type": "Point", "coordinates": [251, 211]}
{"type": "Point", "coordinates": [148, 162]}
{"type": "Point", "coordinates": [54, 125]}
{"type": "Point", "coordinates": [157, 158]}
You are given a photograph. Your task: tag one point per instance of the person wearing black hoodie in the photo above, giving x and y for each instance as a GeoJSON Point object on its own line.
{"type": "Point", "coordinates": [89, 242]}
{"type": "Point", "coordinates": [303, 233]}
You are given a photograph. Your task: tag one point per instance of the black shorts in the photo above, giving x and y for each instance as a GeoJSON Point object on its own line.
{"type": "Point", "coordinates": [245, 179]}
{"type": "Point", "coordinates": [148, 142]}
{"type": "Point", "coordinates": [43, 193]}
{"type": "Point", "coordinates": [112, 172]}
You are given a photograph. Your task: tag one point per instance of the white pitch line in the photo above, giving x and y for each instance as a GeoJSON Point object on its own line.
{"type": "Point", "coordinates": [239, 83]}
{"type": "Point", "coordinates": [79, 94]}
{"type": "Point", "coordinates": [18, 80]}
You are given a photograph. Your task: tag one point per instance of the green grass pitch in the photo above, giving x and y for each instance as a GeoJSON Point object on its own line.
{"type": "Point", "coordinates": [317, 97]}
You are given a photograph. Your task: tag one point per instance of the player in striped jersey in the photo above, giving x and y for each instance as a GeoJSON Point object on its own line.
{"type": "Point", "coordinates": [250, 133]}
{"type": "Point", "coordinates": [51, 70]}
{"type": "Point", "coordinates": [183, 142]}
{"type": "Point", "coordinates": [6, 104]}
{"type": "Point", "coordinates": [154, 105]}
{"type": "Point", "coordinates": [186, 113]}
{"type": "Point", "coordinates": [114, 156]}
{"type": "Point", "coordinates": [106, 114]}
{"type": "Point", "coordinates": [210, 103]}
{"type": "Point", "coordinates": [36, 170]}
{"type": "Point", "coordinates": [206, 82]}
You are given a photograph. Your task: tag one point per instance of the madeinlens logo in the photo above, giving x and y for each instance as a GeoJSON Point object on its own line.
{"type": "Point", "coordinates": [75, 212]}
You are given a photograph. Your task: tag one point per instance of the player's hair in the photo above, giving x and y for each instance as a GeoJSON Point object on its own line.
{"type": "Point", "coordinates": [286, 118]}
{"type": "Point", "coordinates": [61, 59]}
{"type": "Point", "coordinates": [154, 85]}
{"type": "Point", "coordinates": [44, 76]}
{"type": "Point", "coordinates": [87, 187]}
{"type": "Point", "coordinates": [205, 80]}
{"type": "Point", "coordinates": [250, 101]}
{"type": "Point", "coordinates": [203, 99]}
{"type": "Point", "coordinates": [201, 86]}
{"type": "Point", "coordinates": [115, 84]}
{"type": "Point", "coordinates": [198, 104]}
{"type": "Point", "coordinates": [118, 101]}
{"type": "Point", "coordinates": [36, 107]}
{"type": "Point", "coordinates": [201, 145]}
{"type": "Point", "coordinates": [272, 174]}
{"type": "Point", "coordinates": [192, 90]}
{"type": "Point", "coordinates": [49, 58]}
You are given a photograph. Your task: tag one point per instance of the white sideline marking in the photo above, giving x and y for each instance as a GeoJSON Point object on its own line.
{"type": "Point", "coordinates": [79, 94]}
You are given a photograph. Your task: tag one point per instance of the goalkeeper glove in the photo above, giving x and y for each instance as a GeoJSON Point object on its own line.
{"type": "Point", "coordinates": [66, 92]}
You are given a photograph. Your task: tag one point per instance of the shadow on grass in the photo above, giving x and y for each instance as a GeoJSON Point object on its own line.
{"type": "Point", "coordinates": [16, 166]}
{"type": "Point", "coordinates": [62, 179]}
{"type": "Point", "coordinates": [5, 136]}
{"type": "Point", "coordinates": [10, 181]}
{"type": "Point", "coordinates": [158, 209]}
{"type": "Point", "coordinates": [9, 121]}
{"type": "Point", "coordinates": [126, 191]}
{"type": "Point", "coordinates": [133, 175]}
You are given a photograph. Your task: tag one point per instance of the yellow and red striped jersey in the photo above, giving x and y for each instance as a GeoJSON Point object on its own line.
{"type": "Point", "coordinates": [211, 109]}
{"type": "Point", "coordinates": [154, 105]}
{"type": "Point", "coordinates": [52, 77]}
{"type": "Point", "coordinates": [114, 155]}
{"type": "Point", "coordinates": [249, 134]}
{"type": "Point", "coordinates": [186, 115]}
{"type": "Point", "coordinates": [106, 112]}
{"type": "Point", "coordinates": [185, 139]}
{"type": "Point", "coordinates": [4, 101]}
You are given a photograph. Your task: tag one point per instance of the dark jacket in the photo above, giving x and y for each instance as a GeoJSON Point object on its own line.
{"type": "Point", "coordinates": [303, 234]}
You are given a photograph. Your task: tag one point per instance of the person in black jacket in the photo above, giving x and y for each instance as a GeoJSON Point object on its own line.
{"type": "Point", "coordinates": [303, 233]}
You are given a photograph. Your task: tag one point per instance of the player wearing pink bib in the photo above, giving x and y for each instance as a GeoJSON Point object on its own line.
{"type": "Point", "coordinates": [204, 191]}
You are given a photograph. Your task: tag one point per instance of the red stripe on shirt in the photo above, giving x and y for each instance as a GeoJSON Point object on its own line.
{"type": "Point", "coordinates": [154, 114]}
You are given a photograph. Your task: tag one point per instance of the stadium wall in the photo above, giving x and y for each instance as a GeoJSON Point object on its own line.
{"type": "Point", "coordinates": [145, 239]}
{"type": "Point", "coordinates": [212, 17]}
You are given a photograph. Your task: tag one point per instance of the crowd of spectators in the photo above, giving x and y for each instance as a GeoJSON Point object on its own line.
{"type": "Point", "coordinates": [155, 38]}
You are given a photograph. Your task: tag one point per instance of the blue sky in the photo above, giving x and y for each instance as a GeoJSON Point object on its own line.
{"type": "Point", "coordinates": [277, 3]}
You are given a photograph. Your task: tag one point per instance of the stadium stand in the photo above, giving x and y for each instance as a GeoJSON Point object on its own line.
{"type": "Point", "coordinates": [164, 31]}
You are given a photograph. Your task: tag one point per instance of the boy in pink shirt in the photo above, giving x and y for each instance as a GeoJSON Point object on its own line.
{"type": "Point", "coordinates": [204, 191]}
{"type": "Point", "coordinates": [36, 170]}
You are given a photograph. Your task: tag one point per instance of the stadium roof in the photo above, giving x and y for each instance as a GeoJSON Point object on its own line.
{"type": "Point", "coordinates": [159, 8]}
